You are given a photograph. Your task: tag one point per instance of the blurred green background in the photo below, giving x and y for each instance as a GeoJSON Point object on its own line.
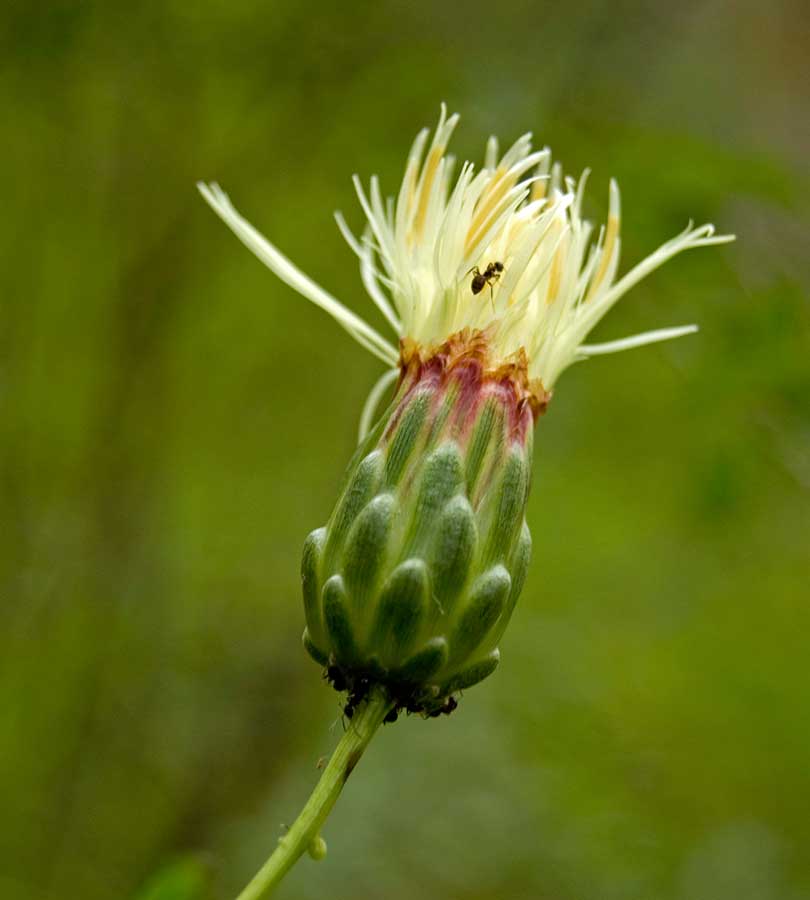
{"type": "Point", "coordinates": [174, 421]}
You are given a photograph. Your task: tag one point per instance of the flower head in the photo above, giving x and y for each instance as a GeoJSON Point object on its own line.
{"type": "Point", "coordinates": [491, 282]}
{"type": "Point", "coordinates": [517, 220]}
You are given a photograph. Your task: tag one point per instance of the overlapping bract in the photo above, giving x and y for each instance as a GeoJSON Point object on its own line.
{"type": "Point", "coordinates": [414, 578]}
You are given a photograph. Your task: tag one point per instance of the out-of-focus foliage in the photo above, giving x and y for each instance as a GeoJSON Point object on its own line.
{"type": "Point", "coordinates": [185, 879]}
{"type": "Point", "coordinates": [174, 421]}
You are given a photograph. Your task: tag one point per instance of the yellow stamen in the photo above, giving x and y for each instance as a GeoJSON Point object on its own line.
{"type": "Point", "coordinates": [428, 174]}
{"type": "Point", "coordinates": [555, 276]}
{"type": "Point", "coordinates": [611, 233]}
{"type": "Point", "coordinates": [495, 191]}
{"type": "Point", "coordinates": [539, 189]}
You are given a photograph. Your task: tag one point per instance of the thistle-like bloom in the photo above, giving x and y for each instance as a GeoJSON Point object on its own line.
{"type": "Point", "coordinates": [491, 282]}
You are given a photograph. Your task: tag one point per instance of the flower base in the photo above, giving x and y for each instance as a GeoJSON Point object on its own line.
{"type": "Point", "coordinates": [412, 582]}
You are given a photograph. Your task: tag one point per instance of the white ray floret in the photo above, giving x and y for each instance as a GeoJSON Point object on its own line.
{"type": "Point", "coordinates": [418, 250]}
{"type": "Point", "coordinates": [360, 330]}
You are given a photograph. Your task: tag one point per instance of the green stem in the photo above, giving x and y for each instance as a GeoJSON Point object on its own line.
{"type": "Point", "coordinates": [366, 720]}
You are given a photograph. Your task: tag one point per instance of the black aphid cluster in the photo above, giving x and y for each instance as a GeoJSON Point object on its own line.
{"type": "Point", "coordinates": [406, 697]}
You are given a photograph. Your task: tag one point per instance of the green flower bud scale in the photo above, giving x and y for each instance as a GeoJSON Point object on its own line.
{"type": "Point", "coordinates": [412, 582]}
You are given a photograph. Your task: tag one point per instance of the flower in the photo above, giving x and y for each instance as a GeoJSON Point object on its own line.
{"type": "Point", "coordinates": [418, 251]}
{"type": "Point", "coordinates": [491, 282]}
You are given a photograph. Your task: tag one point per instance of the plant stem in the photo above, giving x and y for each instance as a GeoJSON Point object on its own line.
{"type": "Point", "coordinates": [366, 720]}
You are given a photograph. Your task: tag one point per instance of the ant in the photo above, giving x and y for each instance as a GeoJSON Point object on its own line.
{"type": "Point", "coordinates": [489, 276]}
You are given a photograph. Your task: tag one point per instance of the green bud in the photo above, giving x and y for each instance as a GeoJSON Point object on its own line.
{"type": "Point", "coordinates": [412, 581]}
{"type": "Point", "coordinates": [317, 848]}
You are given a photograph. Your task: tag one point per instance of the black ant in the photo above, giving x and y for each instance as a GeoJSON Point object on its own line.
{"type": "Point", "coordinates": [489, 276]}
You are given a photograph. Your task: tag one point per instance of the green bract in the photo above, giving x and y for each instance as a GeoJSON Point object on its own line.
{"type": "Point", "coordinates": [414, 578]}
